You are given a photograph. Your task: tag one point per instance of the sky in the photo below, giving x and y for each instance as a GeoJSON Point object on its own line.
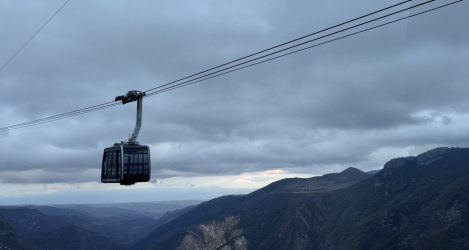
{"type": "Point", "coordinates": [395, 91]}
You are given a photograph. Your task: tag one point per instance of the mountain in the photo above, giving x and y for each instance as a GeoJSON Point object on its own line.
{"type": "Point", "coordinates": [414, 202]}
{"type": "Point", "coordinates": [226, 220]}
{"type": "Point", "coordinates": [55, 232]}
{"type": "Point", "coordinates": [97, 226]}
{"type": "Point", "coordinates": [417, 202]}
{"type": "Point", "coordinates": [8, 237]}
{"type": "Point", "coordinates": [147, 209]}
{"type": "Point", "coordinates": [317, 184]}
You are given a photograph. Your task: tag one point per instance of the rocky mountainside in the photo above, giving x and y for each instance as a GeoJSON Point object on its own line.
{"type": "Point", "coordinates": [413, 203]}
{"type": "Point", "coordinates": [8, 237]}
{"type": "Point", "coordinates": [229, 220]}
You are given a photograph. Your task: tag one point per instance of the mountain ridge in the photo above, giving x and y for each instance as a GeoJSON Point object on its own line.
{"type": "Point", "coordinates": [416, 202]}
{"type": "Point", "coordinates": [234, 206]}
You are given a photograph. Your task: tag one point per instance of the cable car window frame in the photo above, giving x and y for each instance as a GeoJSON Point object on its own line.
{"type": "Point", "coordinates": [136, 160]}
{"type": "Point", "coordinates": [111, 171]}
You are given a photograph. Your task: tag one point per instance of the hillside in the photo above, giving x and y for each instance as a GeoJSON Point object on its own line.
{"type": "Point", "coordinates": [417, 202]}
{"type": "Point", "coordinates": [8, 237]}
{"type": "Point", "coordinates": [56, 232]}
{"type": "Point", "coordinates": [261, 211]}
{"type": "Point", "coordinates": [97, 226]}
{"type": "Point", "coordinates": [413, 203]}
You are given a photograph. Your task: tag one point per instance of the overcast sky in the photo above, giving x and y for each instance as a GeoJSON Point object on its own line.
{"type": "Point", "coordinates": [357, 102]}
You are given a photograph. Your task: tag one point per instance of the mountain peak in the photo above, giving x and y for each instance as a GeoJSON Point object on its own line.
{"type": "Point", "coordinates": [351, 171]}
{"type": "Point", "coordinates": [348, 175]}
{"type": "Point", "coordinates": [421, 159]}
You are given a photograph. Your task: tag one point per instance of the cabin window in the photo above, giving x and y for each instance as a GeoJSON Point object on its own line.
{"type": "Point", "coordinates": [111, 164]}
{"type": "Point", "coordinates": [136, 161]}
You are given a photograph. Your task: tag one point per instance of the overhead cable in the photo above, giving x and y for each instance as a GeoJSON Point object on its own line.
{"type": "Point", "coordinates": [205, 75]}
{"type": "Point", "coordinates": [228, 68]}
{"type": "Point", "coordinates": [279, 45]}
{"type": "Point", "coordinates": [31, 38]}
{"type": "Point", "coordinates": [61, 116]}
{"type": "Point", "coordinates": [210, 76]}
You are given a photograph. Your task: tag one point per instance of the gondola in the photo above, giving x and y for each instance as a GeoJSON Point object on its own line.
{"type": "Point", "coordinates": [127, 162]}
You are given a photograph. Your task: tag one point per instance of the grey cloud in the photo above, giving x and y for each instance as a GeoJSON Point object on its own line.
{"type": "Point", "coordinates": [402, 86]}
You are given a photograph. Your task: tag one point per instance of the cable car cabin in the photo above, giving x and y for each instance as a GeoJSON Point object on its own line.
{"type": "Point", "coordinates": [126, 164]}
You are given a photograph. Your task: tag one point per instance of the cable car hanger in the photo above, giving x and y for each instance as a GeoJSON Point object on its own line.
{"type": "Point", "coordinates": [128, 162]}
{"type": "Point", "coordinates": [131, 96]}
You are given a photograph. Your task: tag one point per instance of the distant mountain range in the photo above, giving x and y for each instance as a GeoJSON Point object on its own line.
{"type": "Point", "coordinates": [417, 202]}
{"type": "Point", "coordinates": [98, 226]}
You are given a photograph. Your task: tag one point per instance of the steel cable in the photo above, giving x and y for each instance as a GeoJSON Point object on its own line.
{"type": "Point", "coordinates": [249, 63]}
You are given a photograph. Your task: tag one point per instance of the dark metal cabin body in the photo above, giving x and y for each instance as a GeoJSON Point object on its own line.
{"type": "Point", "coordinates": [136, 165]}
